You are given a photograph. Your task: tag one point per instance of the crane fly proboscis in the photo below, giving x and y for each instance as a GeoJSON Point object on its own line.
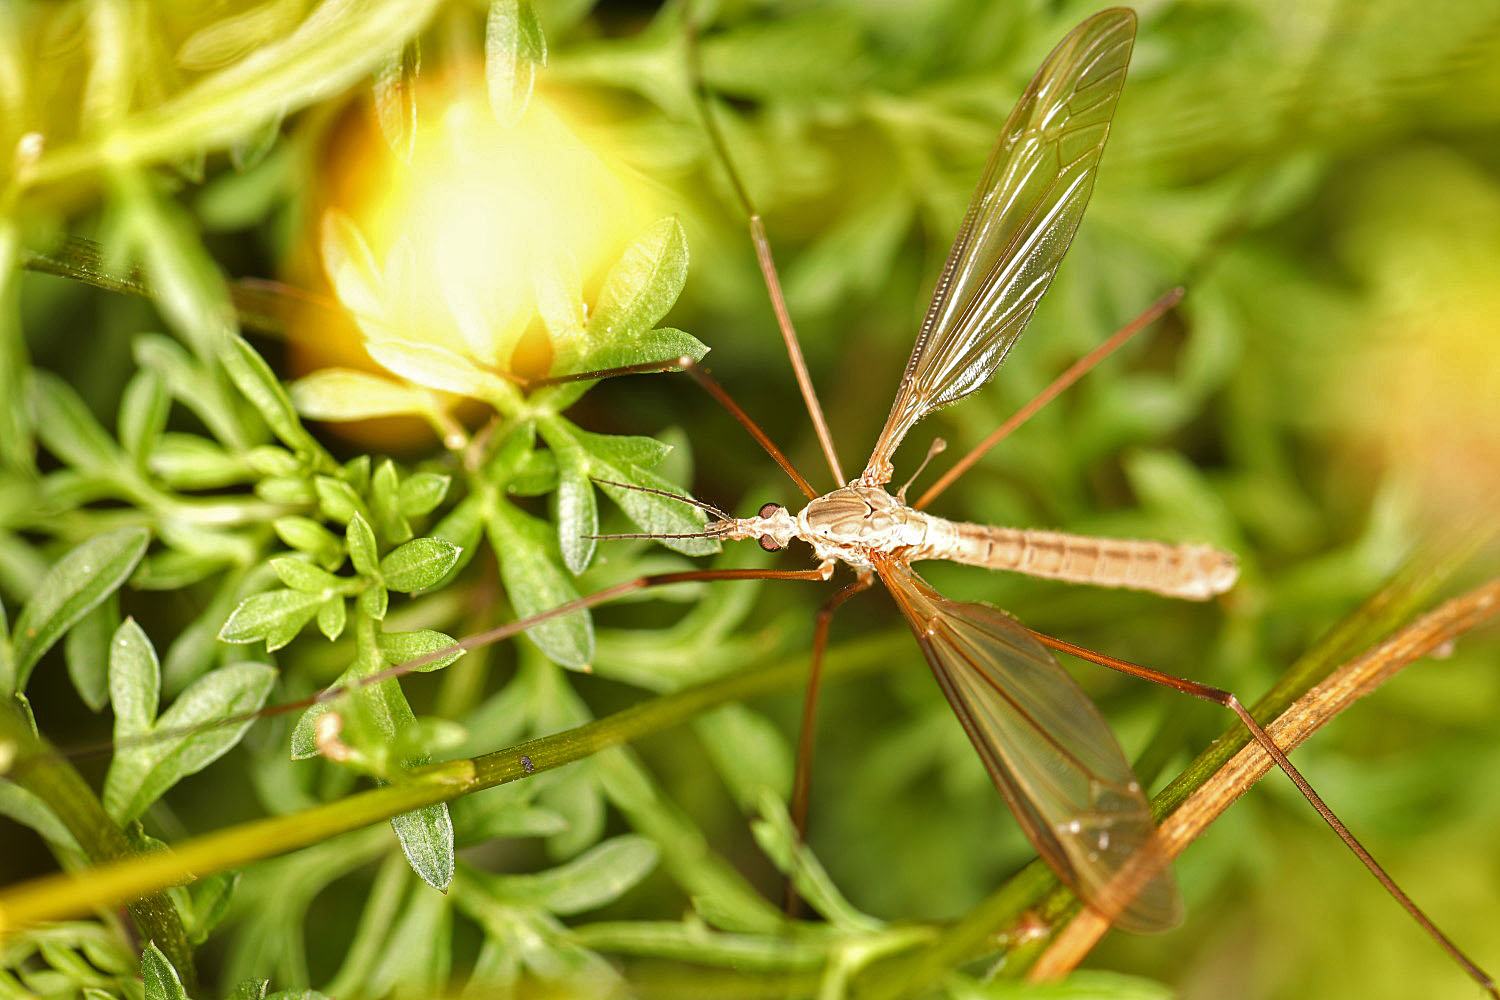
{"type": "Point", "coordinates": [1043, 742]}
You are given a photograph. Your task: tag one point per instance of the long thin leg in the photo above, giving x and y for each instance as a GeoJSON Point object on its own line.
{"type": "Point", "coordinates": [474, 641]}
{"type": "Point", "coordinates": [763, 258]}
{"type": "Point", "coordinates": [807, 737]}
{"type": "Point", "coordinates": [1229, 701]}
{"type": "Point", "coordinates": [1076, 371]}
{"type": "Point", "coordinates": [709, 385]}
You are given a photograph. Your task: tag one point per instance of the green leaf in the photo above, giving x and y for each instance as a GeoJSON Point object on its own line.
{"type": "Point", "coordinates": [68, 429]}
{"type": "Point", "coordinates": [134, 681]}
{"type": "Point", "coordinates": [462, 528]}
{"type": "Point", "coordinates": [323, 56]}
{"type": "Point", "coordinates": [275, 616]}
{"type": "Point", "coordinates": [250, 989]}
{"type": "Point", "coordinates": [385, 503]}
{"type": "Point", "coordinates": [624, 449]}
{"type": "Point", "coordinates": [421, 493]}
{"type": "Point", "coordinates": [196, 647]}
{"type": "Point", "coordinates": [350, 266]}
{"type": "Point", "coordinates": [345, 394]}
{"type": "Point", "coordinates": [535, 474]}
{"type": "Point", "coordinates": [142, 772]}
{"type": "Point", "coordinates": [535, 582]}
{"type": "Point", "coordinates": [87, 650]}
{"type": "Point", "coordinates": [664, 344]}
{"type": "Point", "coordinates": [211, 897]}
{"type": "Point", "coordinates": [306, 535]}
{"type": "Point", "coordinates": [779, 839]}
{"type": "Point", "coordinates": [749, 752]}
{"type": "Point", "coordinates": [338, 500]}
{"type": "Point", "coordinates": [158, 976]}
{"type": "Point", "coordinates": [400, 648]}
{"type": "Point", "coordinates": [271, 460]}
{"type": "Point", "coordinates": [28, 809]}
{"type": "Point", "coordinates": [189, 380]}
{"type": "Point", "coordinates": [143, 415]}
{"type": "Point", "coordinates": [659, 515]}
{"type": "Point", "coordinates": [255, 380]}
{"type": "Point", "coordinates": [189, 462]}
{"type": "Point", "coordinates": [574, 507]}
{"type": "Point", "coordinates": [640, 288]}
{"type": "Point", "coordinates": [356, 472]}
{"type": "Point", "coordinates": [589, 881]}
{"type": "Point", "coordinates": [503, 811]}
{"type": "Point", "coordinates": [288, 491]}
{"type": "Point", "coordinates": [419, 564]}
{"type": "Point", "coordinates": [332, 616]}
{"type": "Point", "coordinates": [619, 459]}
{"type": "Point", "coordinates": [7, 650]}
{"type": "Point", "coordinates": [426, 837]}
{"type": "Point", "coordinates": [76, 584]}
{"type": "Point", "coordinates": [299, 574]}
{"type": "Point", "coordinates": [360, 539]}
{"type": "Point", "coordinates": [432, 366]}
{"type": "Point", "coordinates": [514, 48]}
{"type": "Point", "coordinates": [1190, 509]}
{"type": "Point", "coordinates": [577, 796]}
{"type": "Point", "coordinates": [559, 297]}
{"type": "Point", "coordinates": [396, 99]}
{"type": "Point", "coordinates": [185, 281]}
{"type": "Point", "coordinates": [374, 600]}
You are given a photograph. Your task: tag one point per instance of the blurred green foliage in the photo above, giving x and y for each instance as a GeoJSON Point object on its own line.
{"type": "Point", "coordinates": [1324, 179]}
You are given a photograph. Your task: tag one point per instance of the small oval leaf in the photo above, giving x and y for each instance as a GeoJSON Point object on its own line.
{"type": "Point", "coordinates": [514, 48]}
{"type": "Point", "coordinates": [76, 584]}
{"type": "Point", "coordinates": [419, 564]}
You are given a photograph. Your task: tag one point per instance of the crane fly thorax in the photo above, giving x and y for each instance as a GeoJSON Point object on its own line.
{"type": "Point", "coordinates": [849, 525]}
{"type": "Point", "coordinates": [855, 522]}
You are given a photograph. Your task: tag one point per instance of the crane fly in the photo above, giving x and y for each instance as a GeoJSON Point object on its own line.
{"type": "Point", "coordinates": [1043, 742]}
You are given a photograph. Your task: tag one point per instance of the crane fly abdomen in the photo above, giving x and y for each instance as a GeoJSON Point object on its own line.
{"type": "Point", "coordinates": [856, 522]}
{"type": "Point", "coordinates": [1192, 572]}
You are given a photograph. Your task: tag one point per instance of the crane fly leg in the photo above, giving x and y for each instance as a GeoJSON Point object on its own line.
{"type": "Point", "coordinates": [1278, 756]}
{"type": "Point", "coordinates": [807, 738]}
{"type": "Point", "coordinates": [1076, 371]}
{"type": "Point", "coordinates": [763, 257]}
{"type": "Point", "coordinates": [709, 385]}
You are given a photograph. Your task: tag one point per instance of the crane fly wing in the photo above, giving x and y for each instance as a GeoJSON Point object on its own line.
{"type": "Point", "coordinates": [1048, 750]}
{"type": "Point", "coordinates": [1017, 228]}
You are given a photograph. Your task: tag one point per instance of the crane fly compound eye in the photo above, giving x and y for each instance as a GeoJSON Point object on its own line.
{"type": "Point", "coordinates": [770, 544]}
{"type": "Point", "coordinates": [770, 509]}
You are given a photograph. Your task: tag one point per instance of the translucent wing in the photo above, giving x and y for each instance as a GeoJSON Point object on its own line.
{"type": "Point", "coordinates": [1018, 226]}
{"type": "Point", "coordinates": [1048, 750]}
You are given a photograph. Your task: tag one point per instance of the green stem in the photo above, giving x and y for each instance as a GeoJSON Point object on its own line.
{"type": "Point", "coordinates": [52, 778]}
{"type": "Point", "coordinates": [57, 897]}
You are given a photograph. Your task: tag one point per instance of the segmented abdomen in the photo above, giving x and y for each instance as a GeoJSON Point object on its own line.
{"type": "Point", "coordinates": [1195, 572]}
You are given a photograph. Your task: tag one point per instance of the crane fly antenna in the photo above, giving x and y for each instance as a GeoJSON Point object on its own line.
{"type": "Point", "coordinates": [710, 508]}
{"type": "Point", "coordinates": [642, 534]}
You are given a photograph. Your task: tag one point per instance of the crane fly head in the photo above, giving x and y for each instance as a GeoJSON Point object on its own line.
{"type": "Point", "coordinates": [773, 527]}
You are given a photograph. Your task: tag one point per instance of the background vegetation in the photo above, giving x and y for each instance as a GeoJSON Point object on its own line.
{"type": "Point", "coordinates": [1323, 177]}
